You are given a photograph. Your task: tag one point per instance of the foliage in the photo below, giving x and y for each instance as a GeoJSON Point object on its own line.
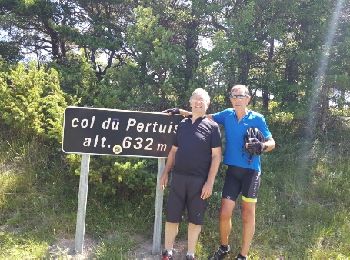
{"type": "Point", "coordinates": [159, 48]}
{"type": "Point", "coordinates": [9, 51]}
{"type": "Point", "coordinates": [32, 101]}
{"type": "Point", "coordinates": [117, 176]}
{"type": "Point", "coordinates": [77, 79]}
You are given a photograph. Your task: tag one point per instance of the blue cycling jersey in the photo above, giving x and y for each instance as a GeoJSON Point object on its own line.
{"type": "Point", "coordinates": [235, 153]}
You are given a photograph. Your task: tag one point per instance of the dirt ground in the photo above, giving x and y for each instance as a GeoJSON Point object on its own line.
{"type": "Point", "coordinates": [65, 248]}
{"type": "Point", "coordinates": [144, 251]}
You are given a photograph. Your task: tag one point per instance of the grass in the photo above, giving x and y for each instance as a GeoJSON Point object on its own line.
{"type": "Point", "coordinates": [31, 208]}
{"type": "Point", "coordinates": [38, 205]}
{"type": "Point", "coordinates": [108, 249]}
{"type": "Point", "coordinates": [300, 215]}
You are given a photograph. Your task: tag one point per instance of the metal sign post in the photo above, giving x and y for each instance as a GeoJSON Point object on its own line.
{"type": "Point", "coordinates": [157, 231]}
{"type": "Point", "coordinates": [82, 200]}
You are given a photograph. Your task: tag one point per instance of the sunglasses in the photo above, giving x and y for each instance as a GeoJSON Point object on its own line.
{"type": "Point", "coordinates": [237, 96]}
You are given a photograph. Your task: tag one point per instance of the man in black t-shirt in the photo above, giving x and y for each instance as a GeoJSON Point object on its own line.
{"type": "Point", "coordinates": [195, 158]}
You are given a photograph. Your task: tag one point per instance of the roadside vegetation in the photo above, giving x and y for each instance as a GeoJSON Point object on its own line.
{"type": "Point", "coordinates": [299, 214]}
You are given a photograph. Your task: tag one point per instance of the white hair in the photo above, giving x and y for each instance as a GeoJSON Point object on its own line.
{"type": "Point", "coordinates": [242, 87]}
{"type": "Point", "coordinates": [203, 93]}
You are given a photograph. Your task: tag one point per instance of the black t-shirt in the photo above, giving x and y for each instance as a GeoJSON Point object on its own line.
{"type": "Point", "coordinates": [194, 142]}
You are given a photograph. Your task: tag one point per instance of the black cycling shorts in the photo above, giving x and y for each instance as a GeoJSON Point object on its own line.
{"type": "Point", "coordinates": [241, 180]}
{"type": "Point", "coordinates": [185, 192]}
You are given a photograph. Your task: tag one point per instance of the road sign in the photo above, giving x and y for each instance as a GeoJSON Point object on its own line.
{"type": "Point", "coordinates": [118, 132]}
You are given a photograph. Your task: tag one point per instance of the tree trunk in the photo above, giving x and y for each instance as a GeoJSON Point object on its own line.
{"type": "Point", "coordinates": [291, 76]}
{"type": "Point", "coordinates": [55, 40]}
{"type": "Point", "coordinates": [322, 107]}
{"type": "Point", "coordinates": [265, 87]}
{"type": "Point", "coordinates": [192, 55]}
{"type": "Point", "coordinates": [244, 60]}
{"type": "Point", "coordinates": [341, 102]}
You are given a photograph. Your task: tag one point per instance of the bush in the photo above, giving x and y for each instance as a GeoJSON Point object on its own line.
{"type": "Point", "coordinates": [77, 79]}
{"type": "Point", "coordinates": [128, 177]}
{"type": "Point", "coordinates": [32, 101]}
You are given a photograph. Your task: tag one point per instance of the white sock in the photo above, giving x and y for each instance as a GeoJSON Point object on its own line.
{"type": "Point", "coordinates": [190, 254]}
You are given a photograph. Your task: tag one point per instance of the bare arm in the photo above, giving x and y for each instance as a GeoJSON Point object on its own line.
{"type": "Point", "coordinates": [269, 145]}
{"type": "Point", "coordinates": [183, 112]}
{"type": "Point", "coordinates": [168, 166]}
{"type": "Point", "coordinates": [214, 167]}
{"type": "Point", "coordinates": [177, 111]}
{"type": "Point", "coordinates": [186, 113]}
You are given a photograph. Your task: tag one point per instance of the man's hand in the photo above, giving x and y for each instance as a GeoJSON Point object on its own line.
{"type": "Point", "coordinates": [163, 181]}
{"type": "Point", "coordinates": [207, 190]}
{"type": "Point", "coordinates": [255, 147]}
{"type": "Point", "coordinates": [172, 111]}
{"type": "Point", "coordinates": [177, 111]}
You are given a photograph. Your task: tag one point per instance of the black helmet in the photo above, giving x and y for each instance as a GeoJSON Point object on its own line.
{"type": "Point", "coordinates": [253, 135]}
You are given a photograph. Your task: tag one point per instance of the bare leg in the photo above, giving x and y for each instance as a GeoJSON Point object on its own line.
{"type": "Point", "coordinates": [171, 230]}
{"type": "Point", "coordinates": [248, 219]}
{"type": "Point", "coordinates": [193, 233]}
{"type": "Point", "coordinates": [227, 207]}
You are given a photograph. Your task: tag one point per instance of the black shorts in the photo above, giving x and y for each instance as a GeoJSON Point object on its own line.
{"type": "Point", "coordinates": [241, 180]}
{"type": "Point", "coordinates": [185, 191]}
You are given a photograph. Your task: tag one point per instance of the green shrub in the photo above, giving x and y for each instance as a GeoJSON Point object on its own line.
{"type": "Point", "coordinates": [78, 79]}
{"type": "Point", "coordinates": [32, 101]}
{"type": "Point", "coordinates": [112, 176]}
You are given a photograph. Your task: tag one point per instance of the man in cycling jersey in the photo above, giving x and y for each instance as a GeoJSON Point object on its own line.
{"type": "Point", "coordinates": [244, 170]}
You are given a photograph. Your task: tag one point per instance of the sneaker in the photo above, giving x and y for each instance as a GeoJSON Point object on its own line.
{"type": "Point", "coordinates": [220, 253]}
{"type": "Point", "coordinates": [166, 255]}
{"type": "Point", "coordinates": [190, 257]}
{"type": "Point", "coordinates": [240, 257]}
